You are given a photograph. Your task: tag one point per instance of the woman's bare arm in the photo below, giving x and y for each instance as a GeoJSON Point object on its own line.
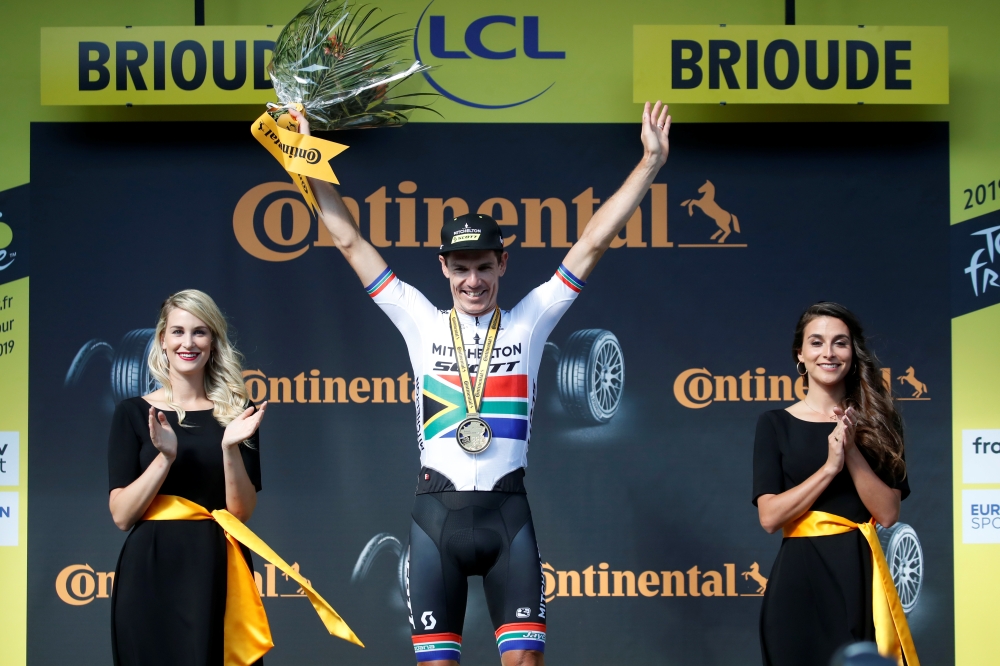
{"type": "Point", "coordinates": [129, 503]}
{"type": "Point", "coordinates": [775, 511]}
{"type": "Point", "coordinates": [241, 496]}
{"type": "Point", "coordinates": [880, 500]}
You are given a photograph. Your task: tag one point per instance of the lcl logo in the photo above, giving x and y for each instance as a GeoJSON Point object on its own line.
{"type": "Point", "coordinates": [506, 32]}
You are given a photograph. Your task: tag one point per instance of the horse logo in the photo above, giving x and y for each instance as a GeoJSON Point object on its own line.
{"type": "Point", "coordinates": [919, 388]}
{"type": "Point", "coordinates": [757, 576]}
{"type": "Point", "coordinates": [708, 206]}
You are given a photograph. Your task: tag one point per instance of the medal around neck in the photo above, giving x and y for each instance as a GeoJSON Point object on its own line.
{"type": "Point", "coordinates": [474, 434]}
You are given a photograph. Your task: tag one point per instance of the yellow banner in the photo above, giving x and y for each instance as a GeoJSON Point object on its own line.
{"type": "Point", "coordinates": [157, 65]}
{"type": "Point", "coordinates": [779, 64]}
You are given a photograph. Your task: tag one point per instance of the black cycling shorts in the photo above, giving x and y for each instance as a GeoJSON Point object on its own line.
{"type": "Point", "coordinates": [455, 535]}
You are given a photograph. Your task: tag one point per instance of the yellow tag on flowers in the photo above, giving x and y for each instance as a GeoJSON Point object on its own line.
{"type": "Point", "coordinates": [299, 154]}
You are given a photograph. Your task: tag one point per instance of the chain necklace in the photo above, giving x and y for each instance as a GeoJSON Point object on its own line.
{"type": "Point", "coordinates": [832, 417]}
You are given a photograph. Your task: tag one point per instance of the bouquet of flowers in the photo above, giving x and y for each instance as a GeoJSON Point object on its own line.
{"type": "Point", "coordinates": [328, 61]}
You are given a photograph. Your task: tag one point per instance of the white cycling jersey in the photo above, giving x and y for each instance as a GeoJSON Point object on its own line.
{"type": "Point", "coordinates": [509, 397]}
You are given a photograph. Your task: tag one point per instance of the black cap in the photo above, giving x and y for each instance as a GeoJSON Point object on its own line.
{"type": "Point", "coordinates": [471, 231]}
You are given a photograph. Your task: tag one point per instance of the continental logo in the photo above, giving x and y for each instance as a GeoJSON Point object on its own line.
{"type": "Point", "coordinates": [726, 221]}
{"type": "Point", "coordinates": [477, 50]}
{"type": "Point", "coordinates": [696, 388]}
{"type": "Point", "coordinates": [602, 581]}
{"type": "Point", "coordinates": [310, 155]}
{"type": "Point", "coordinates": [79, 584]}
{"type": "Point", "coordinates": [313, 388]}
{"type": "Point", "coordinates": [272, 223]}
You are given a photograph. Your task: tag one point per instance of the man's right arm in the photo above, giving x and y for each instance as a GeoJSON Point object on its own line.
{"type": "Point", "coordinates": [360, 254]}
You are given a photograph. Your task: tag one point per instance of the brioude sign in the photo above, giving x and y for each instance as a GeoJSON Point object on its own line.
{"type": "Point", "coordinates": [779, 64]}
{"type": "Point", "coordinates": [157, 65]}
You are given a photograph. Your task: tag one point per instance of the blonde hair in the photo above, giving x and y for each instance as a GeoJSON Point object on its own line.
{"type": "Point", "coordinates": [224, 370]}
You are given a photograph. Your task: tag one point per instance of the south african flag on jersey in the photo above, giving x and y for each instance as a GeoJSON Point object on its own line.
{"type": "Point", "coordinates": [504, 408]}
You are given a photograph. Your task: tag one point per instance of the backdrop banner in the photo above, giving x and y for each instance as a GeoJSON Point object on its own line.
{"type": "Point", "coordinates": [651, 548]}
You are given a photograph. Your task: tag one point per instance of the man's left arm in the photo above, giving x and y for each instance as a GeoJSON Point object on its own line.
{"type": "Point", "coordinates": [616, 211]}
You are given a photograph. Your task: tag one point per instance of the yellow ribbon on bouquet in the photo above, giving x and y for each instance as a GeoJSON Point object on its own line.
{"type": "Point", "coordinates": [246, 632]}
{"type": "Point", "coordinates": [299, 154]}
{"type": "Point", "coordinates": [892, 632]}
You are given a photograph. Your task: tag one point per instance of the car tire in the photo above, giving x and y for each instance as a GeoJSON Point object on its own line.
{"type": "Point", "coordinates": [130, 376]}
{"type": "Point", "coordinates": [378, 544]}
{"type": "Point", "coordinates": [83, 357]}
{"type": "Point", "coordinates": [906, 561]}
{"type": "Point", "coordinates": [591, 375]}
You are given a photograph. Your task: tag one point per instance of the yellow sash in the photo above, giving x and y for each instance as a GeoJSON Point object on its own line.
{"type": "Point", "coordinates": [247, 635]}
{"type": "Point", "coordinates": [892, 633]}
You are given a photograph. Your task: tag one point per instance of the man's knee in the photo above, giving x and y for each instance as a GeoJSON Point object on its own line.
{"type": "Point", "coordinates": [522, 658]}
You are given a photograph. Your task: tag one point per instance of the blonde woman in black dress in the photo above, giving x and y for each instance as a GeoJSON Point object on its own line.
{"type": "Point", "coordinates": [839, 451]}
{"type": "Point", "coordinates": [195, 438]}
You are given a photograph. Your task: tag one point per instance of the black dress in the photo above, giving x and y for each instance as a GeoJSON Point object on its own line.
{"type": "Point", "coordinates": [819, 595]}
{"type": "Point", "coordinates": [169, 596]}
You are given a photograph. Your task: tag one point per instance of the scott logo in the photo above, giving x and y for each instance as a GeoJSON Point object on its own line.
{"type": "Point", "coordinates": [428, 620]}
{"type": "Point", "coordinates": [474, 45]}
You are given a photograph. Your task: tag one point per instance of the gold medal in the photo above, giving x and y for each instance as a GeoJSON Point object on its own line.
{"type": "Point", "coordinates": [474, 434]}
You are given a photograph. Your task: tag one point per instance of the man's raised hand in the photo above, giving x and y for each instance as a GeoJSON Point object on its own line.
{"type": "Point", "coordinates": [300, 120]}
{"type": "Point", "coordinates": [656, 132]}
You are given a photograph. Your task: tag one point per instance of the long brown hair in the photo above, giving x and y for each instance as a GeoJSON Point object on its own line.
{"type": "Point", "coordinates": [880, 429]}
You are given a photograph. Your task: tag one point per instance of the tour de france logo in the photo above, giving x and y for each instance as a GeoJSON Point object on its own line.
{"type": "Point", "coordinates": [6, 237]}
{"type": "Point", "coordinates": [726, 221]}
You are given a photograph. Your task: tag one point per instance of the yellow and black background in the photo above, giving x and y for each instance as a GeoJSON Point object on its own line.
{"type": "Point", "coordinates": [844, 202]}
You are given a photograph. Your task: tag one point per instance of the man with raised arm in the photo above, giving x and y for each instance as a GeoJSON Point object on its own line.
{"type": "Point", "coordinates": [475, 369]}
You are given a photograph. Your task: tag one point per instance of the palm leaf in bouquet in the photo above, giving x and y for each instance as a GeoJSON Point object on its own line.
{"type": "Point", "coordinates": [328, 60]}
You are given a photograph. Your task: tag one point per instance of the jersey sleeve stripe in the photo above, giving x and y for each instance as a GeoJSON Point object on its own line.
{"type": "Point", "coordinates": [570, 280]}
{"type": "Point", "coordinates": [384, 278]}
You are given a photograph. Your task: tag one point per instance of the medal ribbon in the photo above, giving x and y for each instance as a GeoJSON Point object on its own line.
{"type": "Point", "coordinates": [299, 154]}
{"type": "Point", "coordinates": [892, 633]}
{"type": "Point", "coordinates": [246, 632]}
{"type": "Point", "coordinates": [474, 395]}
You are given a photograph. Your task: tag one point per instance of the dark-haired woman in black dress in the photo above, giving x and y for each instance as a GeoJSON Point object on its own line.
{"type": "Point", "coordinates": [838, 451]}
{"type": "Point", "coordinates": [194, 439]}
